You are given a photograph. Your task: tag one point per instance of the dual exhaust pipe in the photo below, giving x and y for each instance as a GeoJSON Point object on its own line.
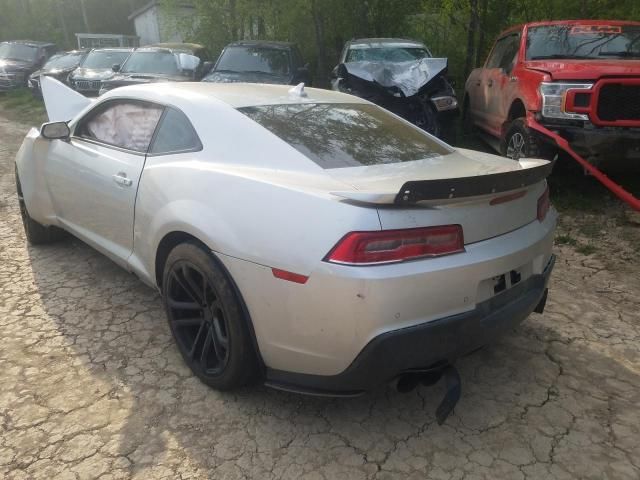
{"type": "Point", "coordinates": [407, 382]}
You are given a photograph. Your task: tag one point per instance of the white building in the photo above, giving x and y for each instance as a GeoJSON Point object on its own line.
{"type": "Point", "coordinates": [154, 24]}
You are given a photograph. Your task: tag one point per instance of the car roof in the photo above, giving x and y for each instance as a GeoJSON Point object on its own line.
{"type": "Point", "coordinates": [173, 46]}
{"type": "Point", "coordinates": [71, 52]}
{"type": "Point", "coordinates": [236, 95]}
{"type": "Point", "coordinates": [31, 43]}
{"type": "Point", "coordinates": [384, 41]}
{"type": "Point", "coordinates": [113, 49]}
{"type": "Point", "coordinates": [261, 43]}
{"type": "Point", "coordinates": [545, 23]}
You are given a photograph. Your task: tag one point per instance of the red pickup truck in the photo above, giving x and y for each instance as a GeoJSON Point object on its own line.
{"type": "Point", "coordinates": [578, 78]}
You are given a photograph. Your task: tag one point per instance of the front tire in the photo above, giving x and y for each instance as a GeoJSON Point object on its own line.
{"type": "Point", "coordinates": [519, 142]}
{"type": "Point", "coordinates": [36, 233]}
{"type": "Point", "coordinates": [207, 320]}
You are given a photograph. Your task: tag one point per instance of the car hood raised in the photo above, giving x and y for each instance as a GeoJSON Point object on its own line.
{"type": "Point", "coordinates": [247, 77]}
{"type": "Point", "coordinates": [585, 69]}
{"type": "Point", "coordinates": [409, 77]}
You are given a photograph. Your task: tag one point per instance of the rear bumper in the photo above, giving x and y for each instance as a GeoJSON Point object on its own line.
{"type": "Point", "coordinates": [424, 346]}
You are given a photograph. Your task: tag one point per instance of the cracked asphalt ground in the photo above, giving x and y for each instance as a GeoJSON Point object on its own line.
{"type": "Point", "coordinates": [92, 386]}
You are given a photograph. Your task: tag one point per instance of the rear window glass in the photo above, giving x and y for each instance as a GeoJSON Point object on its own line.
{"type": "Point", "coordinates": [346, 135]}
{"type": "Point", "coordinates": [175, 134]}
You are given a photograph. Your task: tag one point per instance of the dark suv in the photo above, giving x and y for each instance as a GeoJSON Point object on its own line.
{"type": "Point", "coordinates": [163, 62]}
{"type": "Point", "coordinates": [96, 68]}
{"type": "Point", "coordinates": [260, 62]}
{"type": "Point", "coordinates": [19, 59]}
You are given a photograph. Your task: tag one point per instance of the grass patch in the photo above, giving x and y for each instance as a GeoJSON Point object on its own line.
{"type": "Point", "coordinates": [22, 106]}
{"type": "Point", "coordinates": [566, 240]}
{"type": "Point", "coordinates": [586, 249]}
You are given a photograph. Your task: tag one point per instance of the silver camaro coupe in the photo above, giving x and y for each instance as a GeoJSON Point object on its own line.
{"type": "Point", "coordinates": [306, 239]}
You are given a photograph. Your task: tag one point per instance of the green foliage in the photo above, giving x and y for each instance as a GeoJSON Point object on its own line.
{"type": "Point", "coordinates": [47, 20]}
{"type": "Point", "coordinates": [23, 106]}
{"type": "Point", "coordinates": [320, 27]}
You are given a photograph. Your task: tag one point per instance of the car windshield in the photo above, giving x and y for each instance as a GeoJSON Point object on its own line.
{"type": "Point", "coordinates": [63, 61]}
{"type": "Point", "coordinates": [164, 63]}
{"type": "Point", "coordinates": [583, 42]}
{"type": "Point", "coordinates": [104, 59]}
{"type": "Point", "coordinates": [346, 135]}
{"type": "Point", "coordinates": [386, 54]}
{"type": "Point", "coordinates": [273, 61]}
{"type": "Point", "coordinates": [18, 51]}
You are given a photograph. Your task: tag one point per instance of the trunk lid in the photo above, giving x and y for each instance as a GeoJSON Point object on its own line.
{"type": "Point", "coordinates": [486, 194]}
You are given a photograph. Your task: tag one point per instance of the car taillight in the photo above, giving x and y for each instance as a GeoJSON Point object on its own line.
{"type": "Point", "coordinates": [390, 246]}
{"type": "Point", "coordinates": [544, 203]}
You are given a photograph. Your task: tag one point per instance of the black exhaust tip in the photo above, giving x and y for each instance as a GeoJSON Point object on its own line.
{"type": "Point", "coordinates": [542, 303]}
{"type": "Point", "coordinates": [407, 383]}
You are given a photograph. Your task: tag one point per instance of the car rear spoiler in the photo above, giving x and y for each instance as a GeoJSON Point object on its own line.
{"type": "Point", "coordinates": [446, 190]}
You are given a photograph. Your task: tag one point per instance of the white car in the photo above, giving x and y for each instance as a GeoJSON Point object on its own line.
{"type": "Point", "coordinates": [307, 239]}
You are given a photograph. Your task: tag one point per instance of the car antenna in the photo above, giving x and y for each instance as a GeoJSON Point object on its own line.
{"type": "Point", "coordinates": [298, 90]}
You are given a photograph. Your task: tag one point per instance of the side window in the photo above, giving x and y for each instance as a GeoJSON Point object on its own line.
{"type": "Point", "coordinates": [175, 134]}
{"type": "Point", "coordinates": [512, 45]}
{"type": "Point", "coordinates": [121, 123]}
{"type": "Point", "coordinates": [496, 54]}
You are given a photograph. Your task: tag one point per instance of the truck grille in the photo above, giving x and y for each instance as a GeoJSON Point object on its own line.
{"type": "Point", "coordinates": [619, 102]}
{"type": "Point", "coordinates": [88, 85]}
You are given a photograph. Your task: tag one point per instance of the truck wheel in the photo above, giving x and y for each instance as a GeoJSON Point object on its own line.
{"type": "Point", "coordinates": [207, 319]}
{"type": "Point", "coordinates": [519, 142]}
{"type": "Point", "coordinates": [36, 233]}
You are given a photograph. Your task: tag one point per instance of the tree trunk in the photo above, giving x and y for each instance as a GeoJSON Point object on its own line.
{"type": "Point", "coordinates": [318, 22]}
{"type": "Point", "coordinates": [471, 37]}
{"type": "Point", "coordinates": [233, 20]}
{"type": "Point", "coordinates": [63, 23]}
{"type": "Point", "coordinates": [481, 29]}
{"type": "Point", "coordinates": [85, 18]}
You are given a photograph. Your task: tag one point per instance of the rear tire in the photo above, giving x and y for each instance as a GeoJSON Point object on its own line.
{"type": "Point", "coordinates": [207, 319]}
{"type": "Point", "coordinates": [36, 233]}
{"type": "Point", "coordinates": [519, 142]}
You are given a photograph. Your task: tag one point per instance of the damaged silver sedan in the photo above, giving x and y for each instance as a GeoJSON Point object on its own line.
{"type": "Point", "coordinates": [306, 239]}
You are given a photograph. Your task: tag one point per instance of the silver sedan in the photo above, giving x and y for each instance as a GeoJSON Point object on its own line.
{"type": "Point", "coordinates": [307, 239]}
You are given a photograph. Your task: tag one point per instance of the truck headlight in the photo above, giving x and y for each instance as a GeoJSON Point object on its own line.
{"type": "Point", "coordinates": [445, 103]}
{"type": "Point", "coordinates": [553, 100]}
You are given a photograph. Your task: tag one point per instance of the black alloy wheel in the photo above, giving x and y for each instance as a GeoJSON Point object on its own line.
{"type": "Point", "coordinates": [197, 318]}
{"type": "Point", "coordinates": [207, 320]}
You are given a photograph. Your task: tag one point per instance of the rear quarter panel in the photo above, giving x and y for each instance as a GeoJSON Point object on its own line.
{"type": "Point", "coordinates": [241, 215]}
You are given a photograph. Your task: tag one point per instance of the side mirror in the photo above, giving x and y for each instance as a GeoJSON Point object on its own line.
{"type": "Point", "coordinates": [188, 62]}
{"type": "Point", "coordinates": [115, 68]}
{"type": "Point", "coordinates": [55, 131]}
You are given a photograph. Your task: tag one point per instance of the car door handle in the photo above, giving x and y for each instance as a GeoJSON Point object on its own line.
{"type": "Point", "coordinates": [121, 179]}
{"type": "Point", "coordinates": [490, 83]}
